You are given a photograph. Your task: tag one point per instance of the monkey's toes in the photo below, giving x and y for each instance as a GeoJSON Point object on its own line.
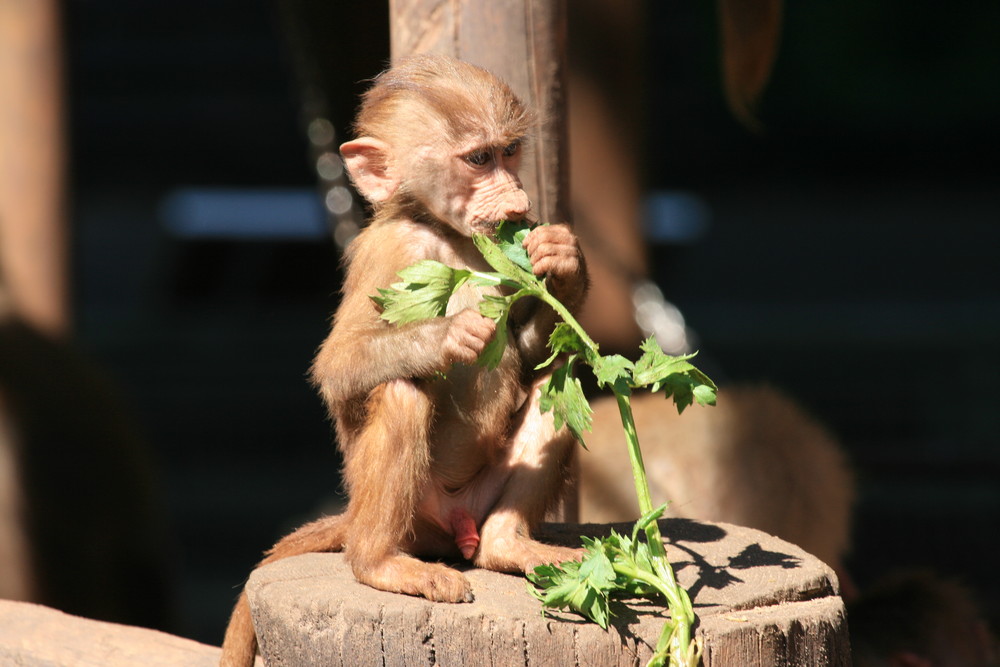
{"type": "Point", "coordinates": [447, 586]}
{"type": "Point", "coordinates": [551, 554]}
{"type": "Point", "coordinates": [524, 555]}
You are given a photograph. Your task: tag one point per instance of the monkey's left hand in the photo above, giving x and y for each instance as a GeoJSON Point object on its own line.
{"type": "Point", "coordinates": [554, 251]}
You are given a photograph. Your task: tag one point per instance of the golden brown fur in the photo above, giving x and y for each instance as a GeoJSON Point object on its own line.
{"type": "Point", "coordinates": [442, 458]}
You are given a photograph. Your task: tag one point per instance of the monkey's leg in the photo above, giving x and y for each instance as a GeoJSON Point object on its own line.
{"type": "Point", "coordinates": [538, 463]}
{"type": "Point", "coordinates": [386, 469]}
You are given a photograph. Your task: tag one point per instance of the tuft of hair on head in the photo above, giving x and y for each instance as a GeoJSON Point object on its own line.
{"type": "Point", "coordinates": [468, 101]}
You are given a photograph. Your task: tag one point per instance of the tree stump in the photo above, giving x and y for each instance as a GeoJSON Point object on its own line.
{"type": "Point", "coordinates": [759, 601]}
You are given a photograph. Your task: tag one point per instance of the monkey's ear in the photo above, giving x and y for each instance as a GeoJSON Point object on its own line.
{"type": "Point", "coordinates": [369, 164]}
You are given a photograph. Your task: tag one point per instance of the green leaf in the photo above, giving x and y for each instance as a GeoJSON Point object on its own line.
{"type": "Point", "coordinates": [614, 370]}
{"type": "Point", "coordinates": [424, 293]}
{"type": "Point", "coordinates": [510, 236]}
{"type": "Point", "coordinates": [673, 375]}
{"type": "Point", "coordinates": [503, 264]}
{"type": "Point", "coordinates": [655, 364]}
{"type": "Point", "coordinates": [487, 279]}
{"type": "Point", "coordinates": [429, 271]}
{"type": "Point", "coordinates": [563, 339]}
{"type": "Point", "coordinates": [496, 308]}
{"type": "Point", "coordinates": [584, 587]}
{"type": "Point", "coordinates": [706, 392]}
{"type": "Point", "coordinates": [686, 389]}
{"type": "Point", "coordinates": [563, 395]}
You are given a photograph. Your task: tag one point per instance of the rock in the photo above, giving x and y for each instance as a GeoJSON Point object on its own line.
{"type": "Point", "coordinates": [760, 601]}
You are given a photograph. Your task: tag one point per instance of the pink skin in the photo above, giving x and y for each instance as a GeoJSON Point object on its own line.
{"type": "Point", "coordinates": [463, 527]}
{"type": "Point", "coordinates": [483, 187]}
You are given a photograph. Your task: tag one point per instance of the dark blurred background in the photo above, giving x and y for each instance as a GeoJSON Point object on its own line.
{"type": "Point", "coordinates": [846, 254]}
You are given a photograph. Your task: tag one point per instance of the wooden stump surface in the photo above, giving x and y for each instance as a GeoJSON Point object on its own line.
{"type": "Point", "coordinates": [760, 601]}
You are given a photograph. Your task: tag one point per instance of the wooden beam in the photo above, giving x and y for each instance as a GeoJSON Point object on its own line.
{"type": "Point", "coordinates": [32, 227]}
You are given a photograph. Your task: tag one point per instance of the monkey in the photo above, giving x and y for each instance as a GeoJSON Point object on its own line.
{"type": "Point", "coordinates": [756, 459]}
{"type": "Point", "coordinates": [442, 458]}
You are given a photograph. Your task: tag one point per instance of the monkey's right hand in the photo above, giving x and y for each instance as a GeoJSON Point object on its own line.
{"type": "Point", "coordinates": [467, 335]}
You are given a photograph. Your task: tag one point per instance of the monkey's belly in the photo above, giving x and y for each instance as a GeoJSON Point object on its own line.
{"type": "Point", "coordinates": [455, 509]}
{"type": "Point", "coordinates": [469, 448]}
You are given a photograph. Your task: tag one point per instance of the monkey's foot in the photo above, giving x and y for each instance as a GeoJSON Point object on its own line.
{"type": "Point", "coordinates": [521, 554]}
{"type": "Point", "coordinates": [405, 574]}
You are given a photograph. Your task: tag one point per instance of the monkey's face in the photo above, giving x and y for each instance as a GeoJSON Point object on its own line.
{"type": "Point", "coordinates": [474, 185]}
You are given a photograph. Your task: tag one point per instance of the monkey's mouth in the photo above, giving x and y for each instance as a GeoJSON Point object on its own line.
{"type": "Point", "coordinates": [488, 227]}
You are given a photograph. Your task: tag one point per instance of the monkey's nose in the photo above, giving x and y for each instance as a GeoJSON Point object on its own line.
{"type": "Point", "coordinates": [517, 207]}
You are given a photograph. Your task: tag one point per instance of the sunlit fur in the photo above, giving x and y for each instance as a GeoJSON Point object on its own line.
{"type": "Point", "coordinates": [431, 106]}
{"type": "Point", "coordinates": [442, 458]}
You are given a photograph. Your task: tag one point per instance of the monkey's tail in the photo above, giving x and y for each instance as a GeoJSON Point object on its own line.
{"type": "Point", "coordinates": [239, 647]}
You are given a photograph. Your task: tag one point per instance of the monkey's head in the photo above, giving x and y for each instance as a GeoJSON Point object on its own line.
{"type": "Point", "coordinates": [440, 139]}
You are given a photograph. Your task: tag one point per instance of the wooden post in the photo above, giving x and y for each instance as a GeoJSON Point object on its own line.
{"type": "Point", "coordinates": [524, 43]}
{"type": "Point", "coordinates": [32, 234]}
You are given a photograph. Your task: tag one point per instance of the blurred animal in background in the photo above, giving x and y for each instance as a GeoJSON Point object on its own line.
{"type": "Point", "coordinates": [81, 526]}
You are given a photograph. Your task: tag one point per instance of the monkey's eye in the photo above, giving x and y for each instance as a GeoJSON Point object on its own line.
{"type": "Point", "coordinates": [479, 157]}
{"type": "Point", "coordinates": [511, 148]}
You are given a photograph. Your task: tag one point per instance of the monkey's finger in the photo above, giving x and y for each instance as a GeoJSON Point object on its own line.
{"type": "Point", "coordinates": [460, 352]}
{"type": "Point", "coordinates": [473, 322]}
{"type": "Point", "coordinates": [553, 250]}
{"type": "Point", "coordinates": [558, 234]}
{"type": "Point", "coordinates": [556, 265]}
{"type": "Point", "coordinates": [476, 340]}
{"type": "Point", "coordinates": [468, 336]}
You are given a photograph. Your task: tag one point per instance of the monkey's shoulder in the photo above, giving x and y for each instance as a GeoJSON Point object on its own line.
{"type": "Point", "coordinates": [403, 241]}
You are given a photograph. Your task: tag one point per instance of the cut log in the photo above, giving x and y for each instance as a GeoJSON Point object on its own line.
{"type": "Point", "coordinates": [759, 601]}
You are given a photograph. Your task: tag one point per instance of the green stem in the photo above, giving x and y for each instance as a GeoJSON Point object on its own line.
{"type": "Point", "coordinates": [494, 278]}
{"type": "Point", "coordinates": [638, 468]}
{"type": "Point", "coordinates": [567, 317]}
{"type": "Point", "coordinates": [677, 633]}
{"type": "Point", "coordinates": [673, 602]}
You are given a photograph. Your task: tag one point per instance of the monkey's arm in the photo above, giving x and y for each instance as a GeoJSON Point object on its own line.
{"type": "Point", "coordinates": [357, 357]}
{"type": "Point", "coordinates": [364, 351]}
{"type": "Point", "coordinates": [555, 254]}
